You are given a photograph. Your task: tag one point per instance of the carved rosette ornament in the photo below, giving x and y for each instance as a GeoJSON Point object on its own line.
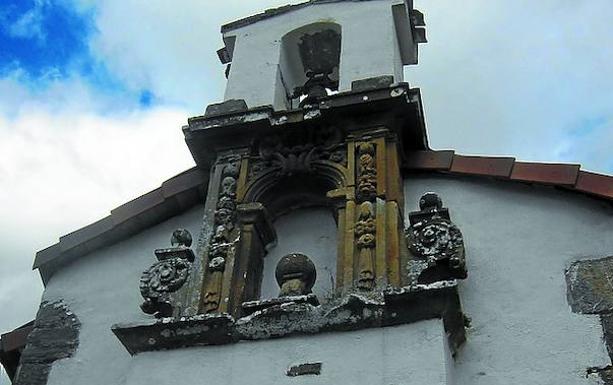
{"type": "Point", "coordinates": [219, 244]}
{"type": "Point", "coordinates": [435, 242]}
{"type": "Point", "coordinates": [167, 275]}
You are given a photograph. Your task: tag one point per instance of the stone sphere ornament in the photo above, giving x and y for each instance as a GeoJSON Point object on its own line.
{"type": "Point", "coordinates": [295, 274]}
{"type": "Point", "coordinates": [181, 237]}
{"type": "Point", "coordinates": [430, 201]}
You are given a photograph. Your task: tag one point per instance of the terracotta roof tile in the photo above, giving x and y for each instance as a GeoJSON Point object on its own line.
{"type": "Point", "coordinates": [596, 184]}
{"type": "Point", "coordinates": [430, 160]}
{"type": "Point", "coordinates": [547, 173]}
{"type": "Point", "coordinates": [16, 339]}
{"type": "Point", "coordinates": [568, 176]}
{"type": "Point", "coordinates": [479, 165]}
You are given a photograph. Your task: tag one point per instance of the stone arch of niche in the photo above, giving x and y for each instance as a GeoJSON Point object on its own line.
{"type": "Point", "coordinates": [289, 184]}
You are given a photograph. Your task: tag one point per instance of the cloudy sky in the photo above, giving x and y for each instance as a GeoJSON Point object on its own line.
{"type": "Point", "coordinates": [93, 95]}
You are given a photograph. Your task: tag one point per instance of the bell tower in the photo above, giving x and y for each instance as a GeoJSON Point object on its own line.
{"type": "Point", "coordinates": [281, 55]}
{"type": "Point", "coordinates": [310, 143]}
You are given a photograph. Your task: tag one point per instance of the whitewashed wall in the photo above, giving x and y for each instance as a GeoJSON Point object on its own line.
{"type": "Point", "coordinates": [519, 241]}
{"type": "Point", "coordinates": [101, 289]}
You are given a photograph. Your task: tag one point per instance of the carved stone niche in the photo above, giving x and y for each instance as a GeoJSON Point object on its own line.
{"type": "Point", "coordinates": [436, 244]}
{"type": "Point", "coordinates": [167, 275]}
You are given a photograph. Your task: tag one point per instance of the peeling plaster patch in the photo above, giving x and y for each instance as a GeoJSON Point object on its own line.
{"type": "Point", "coordinates": [55, 336]}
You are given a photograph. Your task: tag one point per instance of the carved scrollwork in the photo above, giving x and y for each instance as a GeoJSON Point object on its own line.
{"type": "Point", "coordinates": [298, 152]}
{"type": "Point", "coordinates": [167, 275]}
{"type": "Point", "coordinates": [436, 243]}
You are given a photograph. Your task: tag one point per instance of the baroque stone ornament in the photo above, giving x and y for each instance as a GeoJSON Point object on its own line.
{"type": "Point", "coordinates": [367, 173]}
{"type": "Point", "coordinates": [298, 152]}
{"type": "Point", "coordinates": [435, 242]}
{"type": "Point", "coordinates": [365, 229]}
{"type": "Point", "coordinates": [295, 274]}
{"type": "Point", "coordinates": [219, 244]}
{"type": "Point", "coordinates": [167, 275]}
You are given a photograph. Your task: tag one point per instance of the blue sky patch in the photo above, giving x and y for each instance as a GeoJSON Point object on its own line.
{"type": "Point", "coordinates": [588, 125]}
{"type": "Point", "coordinates": [41, 37]}
{"type": "Point", "coordinates": [46, 41]}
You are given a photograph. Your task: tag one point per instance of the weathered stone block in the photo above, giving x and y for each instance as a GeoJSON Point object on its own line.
{"type": "Point", "coordinates": [590, 286]}
{"type": "Point", "coordinates": [55, 336]}
{"type": "Point", "coordinates": [372, 83]}
{"type": "Point", "coordinates": [228, 107]}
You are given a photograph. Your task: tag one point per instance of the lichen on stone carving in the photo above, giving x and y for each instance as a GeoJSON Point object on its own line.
{"type": "Point", "coordinates": [435, 242]}
{"type": "Point", "coordinates": [167, 275]}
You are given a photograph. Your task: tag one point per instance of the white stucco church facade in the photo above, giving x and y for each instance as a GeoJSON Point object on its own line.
{"type": "Point", "coordinates": [319, 239]}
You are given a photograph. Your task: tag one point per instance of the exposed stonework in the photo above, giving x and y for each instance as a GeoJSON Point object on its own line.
{"type": "Point", "coordinates": [590, 286]}
{"type": "Point", "coordinates": [55, 336]}
{"type": "Point", "coordinates": [590, 291]}
{"type": "Point", "coordinates": [304, 369]}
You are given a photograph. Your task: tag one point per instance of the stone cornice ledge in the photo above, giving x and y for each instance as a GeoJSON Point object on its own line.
{"type": "Point", "coordinates": [355, 311]}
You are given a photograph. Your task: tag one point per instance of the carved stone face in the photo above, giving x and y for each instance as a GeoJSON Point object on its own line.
{"type": "Point", "coordinates": [228, 186]}
{"type": "Point", "coordinates": [223, 216]}
{"type": "Point", "coordinates": [367, 148]}
{"type": "Point", "coordinates": [366, 210]}
{"type": "Point", "coordinates": [226, 203]}
{"type": "Point", "coordinates": [217, 264]}
{"type": "Point", "coordinates": [220, 234]}
{"type": "Point", "coordinates": [231, 170]}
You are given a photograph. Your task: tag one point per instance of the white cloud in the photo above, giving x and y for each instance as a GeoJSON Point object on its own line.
{"type": "Point", "coordinates": [169, 48]}
{"type": "Point", "coordinates": [64, 166]}
{"type": "Point", "coordinates": [517, 78]}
